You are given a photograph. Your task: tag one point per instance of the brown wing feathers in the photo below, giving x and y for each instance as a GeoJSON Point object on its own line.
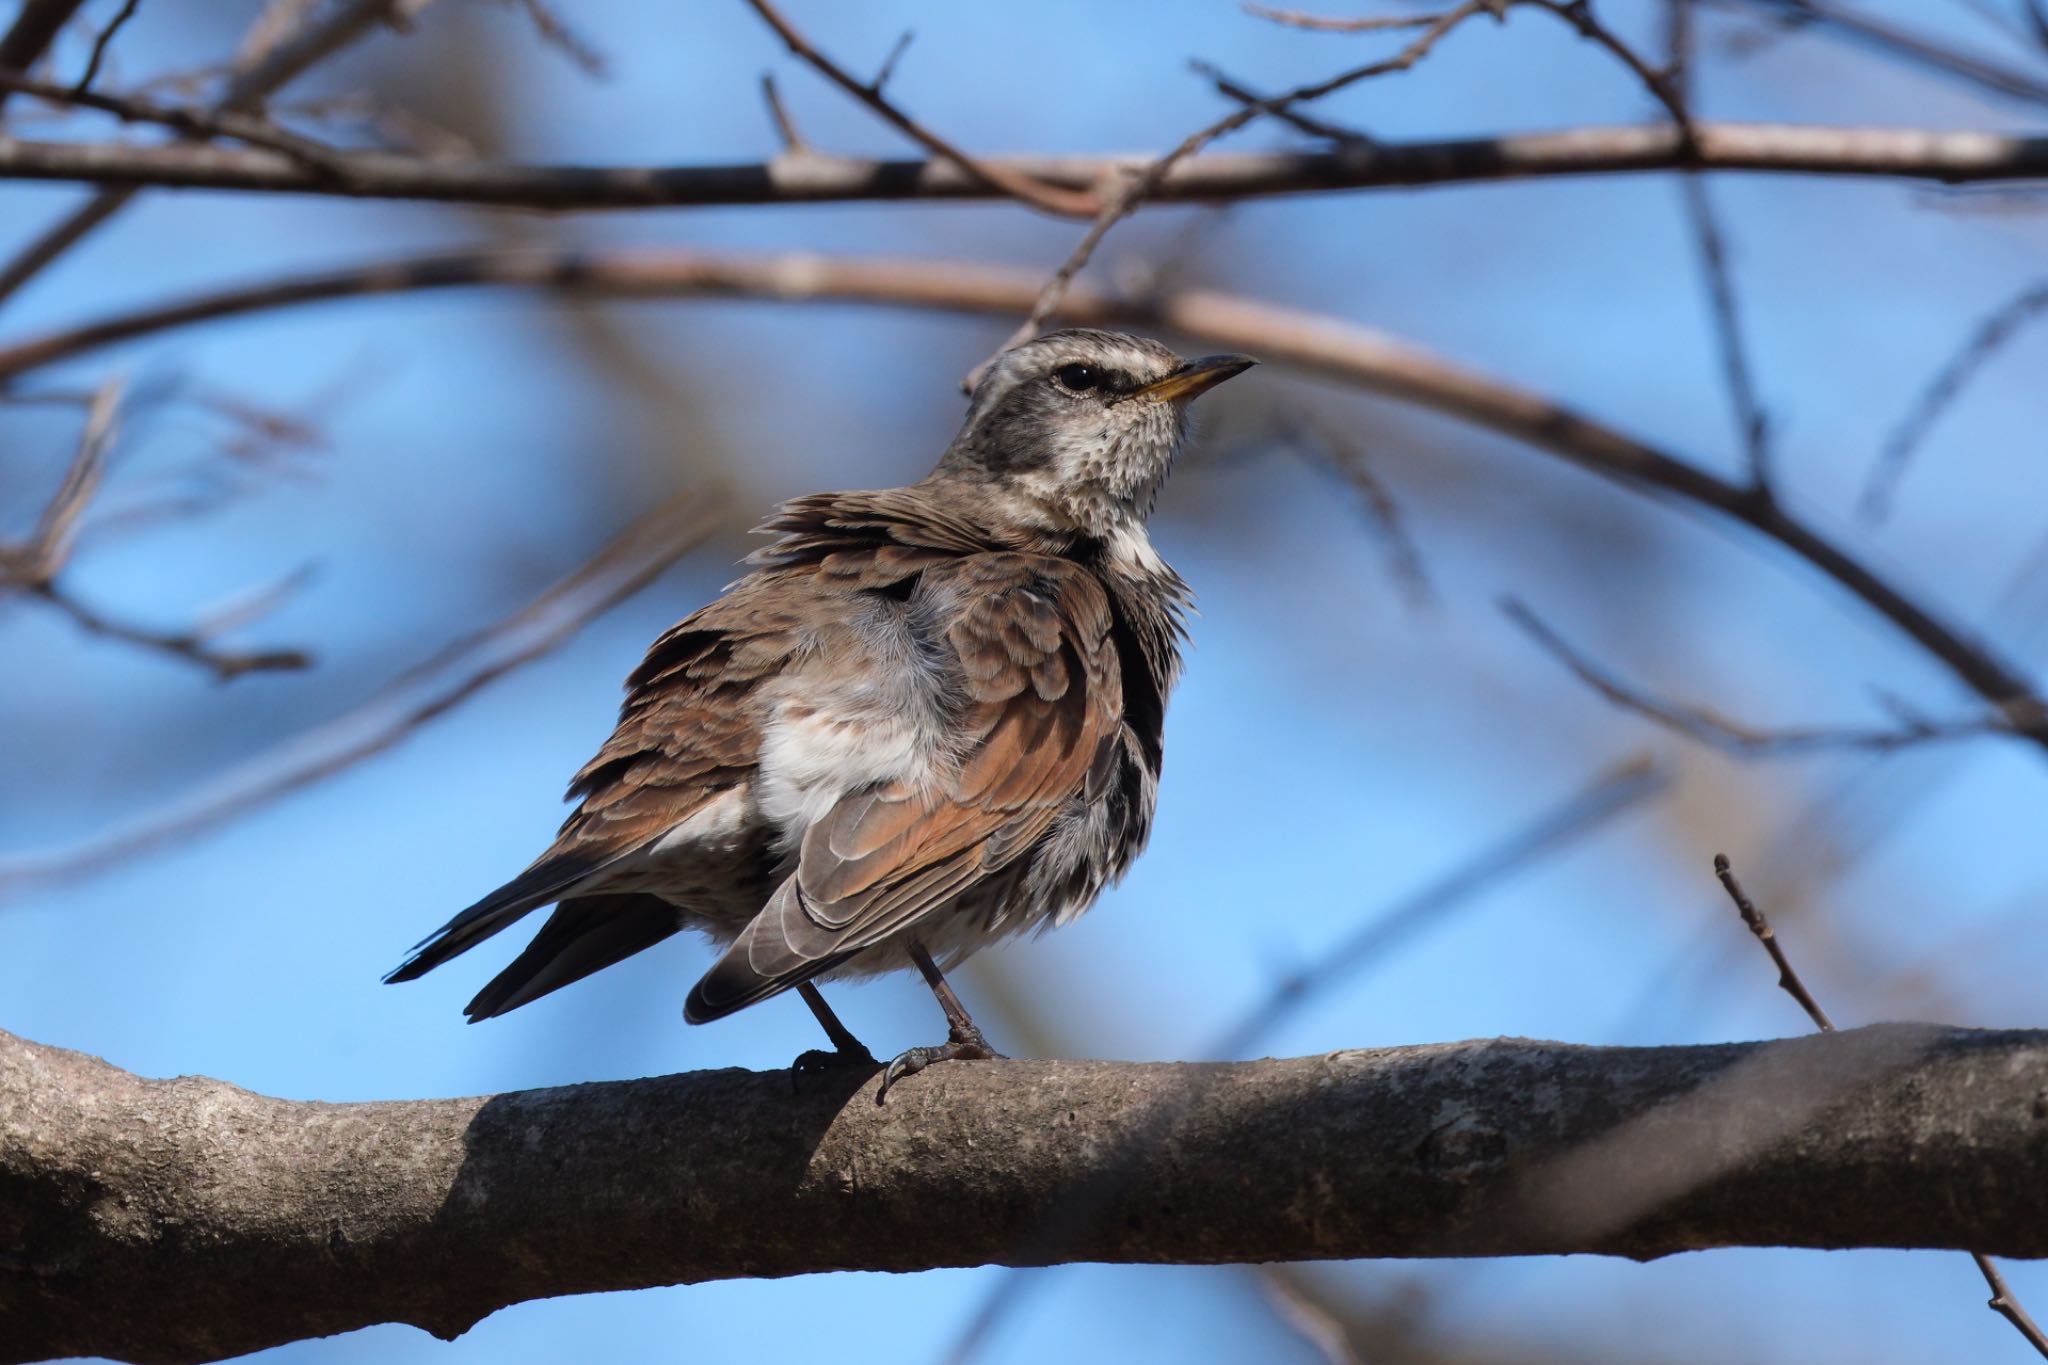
{"type": "Point", "coordinates": [1041, 698]}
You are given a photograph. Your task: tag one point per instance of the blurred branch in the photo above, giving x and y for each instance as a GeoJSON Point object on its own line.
{"type": "Point", "coordinates": [1984, 342]}
{"type": "Point", "coordinates": [1752, 423]}
{"type": "Point", "coordinates": [284, 52]}
{"type": "Point", "coordinates": [1319, 345]}
{"type": "Point", "coordinates": [1905, 45]}
{"type": "Point", "coordinates": [32, 567]}
{"type": "Point", "coordinates": [2003, 1301]}
{"type": "Point", "coordinates": [1622, 788]}
{"type": "Point", "coordinates": [1947, 157]}
{"type": "Point", "coordinates": [1317, 23]}
{"type": "Point", "coordinates": [994, 177]}
{"type": "Point", "coordinates": [1711, 727]}
{"type": "Point", "coordinates": [36, 25]}
{"type": "Point", "coordinates": [101, 44]}
{"type": "Point", "coordinates": [1293, 118]}
{"type": "Point", "coordinates": [555, 32]}
{"type": "Point", "coordinates": [200, 123]}
{"type": "Point", "coordinates": [247, 1221]}
{"type": "Point", "coordinates": [458, 671]}
{"type": "Point", "coordinates": [1146, 182]}
{"type": "Point", "coordinates": [1332, 451]}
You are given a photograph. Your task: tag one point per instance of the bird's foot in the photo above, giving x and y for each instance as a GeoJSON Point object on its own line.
{"type": "Point", "coordinates": [962, 1044]}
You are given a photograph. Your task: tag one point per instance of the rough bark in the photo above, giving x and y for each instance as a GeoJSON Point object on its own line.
{"type": "Point", "coordinates": [187, 1220]}
{"type": "Point", "coordinates": [1950, 157]}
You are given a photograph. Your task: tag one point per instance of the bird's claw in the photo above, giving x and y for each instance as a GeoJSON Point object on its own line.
{"type": "Point", "coordinates": [966, 1045]}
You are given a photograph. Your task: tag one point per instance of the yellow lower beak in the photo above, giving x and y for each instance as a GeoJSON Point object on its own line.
{"type": "Point", "coordinates": [1195, 378]}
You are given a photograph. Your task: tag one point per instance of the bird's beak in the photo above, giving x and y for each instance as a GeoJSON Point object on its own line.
{"type": "Point", "coordinates": [1194, 378]}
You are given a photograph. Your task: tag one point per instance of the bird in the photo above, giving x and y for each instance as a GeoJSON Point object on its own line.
{"type": "Point", "coordinates": [928, 718]}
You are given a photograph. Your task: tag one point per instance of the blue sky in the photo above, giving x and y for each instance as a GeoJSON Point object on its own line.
{"type": "Point", "coordinates": [1331, 748]}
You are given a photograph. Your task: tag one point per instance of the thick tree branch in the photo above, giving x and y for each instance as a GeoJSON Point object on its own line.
{"type": "Point", "coordinates": [187, 1220]}
{"type": "Point", "coordinates": [1920, 154]}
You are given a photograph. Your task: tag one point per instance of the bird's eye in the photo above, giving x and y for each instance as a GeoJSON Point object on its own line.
{"type": "Point", "coordinates": [1080, 378]}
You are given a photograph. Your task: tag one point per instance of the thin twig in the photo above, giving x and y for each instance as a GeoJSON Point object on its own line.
{"type": "Point", "coordinates": [266, 67]}
{"type": "Point", "coordinates": [1751, 420]}
{"type": "Point", "coordinates": [102, 43]}
{"type": "Point", "coordinates": [627, 563]}
{"type": "Point", "coordinates": [1317, 23]}
{"type": "Point", "coordinates": [778, 113]}
{"type": "Point", "coordinates": [189, 646]}
{"type": "Point", "coordinates": [1626, 786]}
{"type": "Point", "coordinates": [32, 568]}
{"type": "Point", "coordinates": [2003, 1301]}
{"type": "Point", "coordinates": [1234, 89]}
{"type": "Point", "coordinates": [1315, 1324]}
{"type": "Point", "coordinates": [1788, 978]}
{"type": "Point", "coordinates": [1712, 728]}
{"type": "Point", "coordinates": [1985, 340]}
{"type": "Point", "coordinates": [1906, 45]}
{"type": "Point", "coordinates": [555, 32]}
{"type": "Point", "coordinates": [1332, 451]}
{"type": "Point", "coordinates": [1141, 186]}
{"type": "Point", "coordinates": [1050, 198]}
{"type": "Point", "coordinates": [1579, 14]}
{"type": "Point", "coordinates": [2007, 1305]}
{"type": "Point", "coordinates": [40, 558]}
{"type": "Point", "coordinates": [199, 123]}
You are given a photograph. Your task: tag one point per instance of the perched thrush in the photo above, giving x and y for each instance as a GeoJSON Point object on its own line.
{"type": "Point", "coordinates": [929, 718]}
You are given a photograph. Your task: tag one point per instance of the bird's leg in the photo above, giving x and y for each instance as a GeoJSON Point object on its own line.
{"type": "Point", "coordinates": [964, 1041]}
{"type": "Point", "coordinates": [847, 1050]}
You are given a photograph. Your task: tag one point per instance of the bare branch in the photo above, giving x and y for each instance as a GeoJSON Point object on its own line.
{"type": "Point", "coordinates": [302, 1219]}
{"type": "Point", "coordinates": [1946, 157]}
{"type": "Point", "coordinates": [1752, 423]}
{"type": "Point", "coordinates": [257, 132]}
{"type": "Point", "coordinates": [994, 176]}
{"type": "Point", "coordinates": [2003, 1301]}
{"type": "Point", "coordinates": [427, 690]}
{"type": "Point", "coordinates": [1984, 342]}
{"type": "Point", "coordinates": [36, 25]}
{"type": "Point", "coordinates": [2007, 1305]}
{"type": "Point", "coordinates": [554, 32]}
{"type": "Point", "coordinates": [32, 567]}
{"type": "Point", "coordinates": [1293, 118]}
{"type": "Point", "coordinates": [41, 557]}
{"type": "Point", "coordinates": [1141, 186]}
{"type": "Point", "coordinates": [191, 646]}
{"type": "Point", "coordinates": [1319, 345]}
{"type": "Point", "coordinates": [266, 67]}
{"type": "Point", "coordinates": [1317, 23]}
{"type": "Point", "coordinates": [1624, 787]}
{"type": "Point", "coordinates": [103, 42]}
{"type": "Point", "coordinates": [778, 113]}
{"type": "Point", "coordinates": [1788, 978]}
{"type": "Point", "coordinates": [1711, 727]}
{"type": "Point", "coordinates": [1905, 45]}
{"type": "Point", "coordinates": [1307, 1319]}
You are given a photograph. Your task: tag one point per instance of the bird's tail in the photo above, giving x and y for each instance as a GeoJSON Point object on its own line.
{"type": "Point", "coordinates": [545, 881]}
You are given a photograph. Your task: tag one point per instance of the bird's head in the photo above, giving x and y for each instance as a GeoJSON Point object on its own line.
{"type": "Point", "coordinates": [1074, 431]}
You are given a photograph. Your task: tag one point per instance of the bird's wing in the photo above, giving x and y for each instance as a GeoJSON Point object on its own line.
{"type": "Point", "coordinates": [1027, 640]}
{"type": "Point", "coordinates": [687, 733]}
